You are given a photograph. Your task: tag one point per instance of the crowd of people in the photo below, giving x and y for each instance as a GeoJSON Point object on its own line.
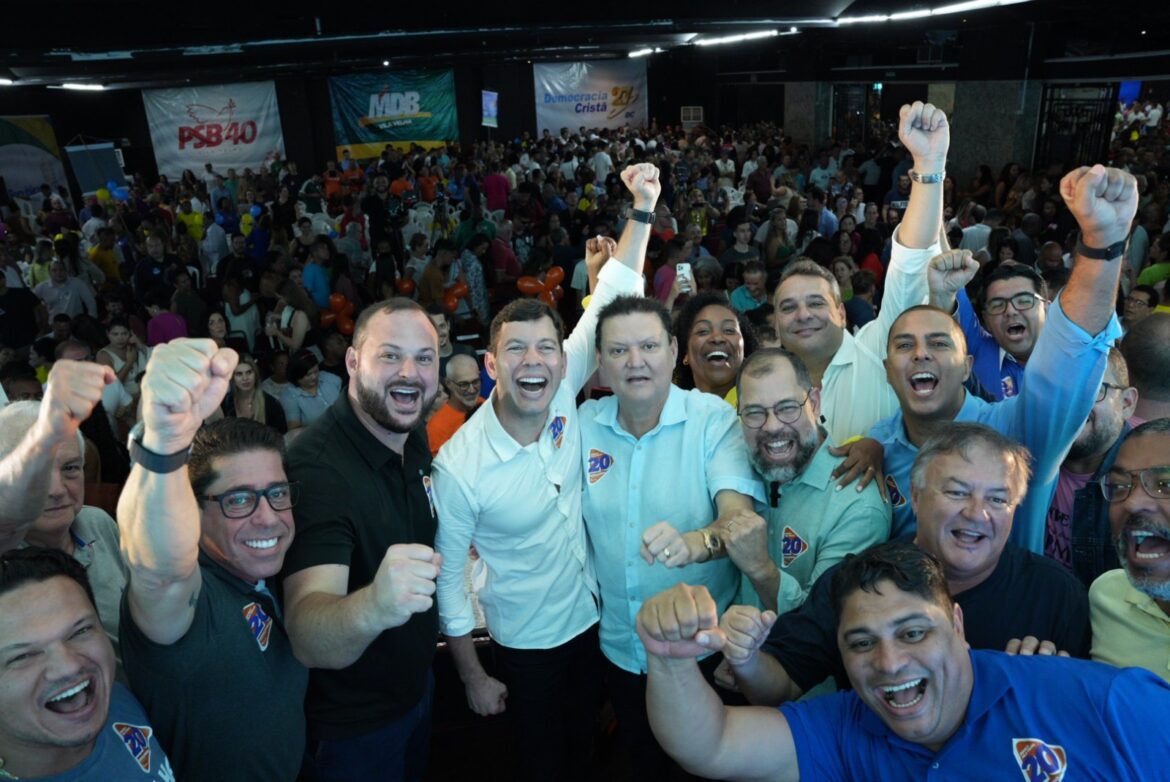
{"type": "Point", "coordinates": [689, 422]}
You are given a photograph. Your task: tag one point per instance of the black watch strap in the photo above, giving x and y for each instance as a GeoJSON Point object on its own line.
{"type": "Point", "coordinates": [1115, 250]}
{"type": "Point", "coordinates": [151, 461]}
{"type": "Point", "coordinates": [642, 216]}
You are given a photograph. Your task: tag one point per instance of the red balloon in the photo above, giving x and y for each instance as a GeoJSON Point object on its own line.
{"type": "Point", "coordinates": [558, 292]}
{"type": "Point", "coordinates": [336, 302]}
{"type": "Point", "coordinates": [327, 319]}
{"type": "Point", "coordinates": [345, 325]}
{"type": "Point", "coordinates": [548, 298]}
{"type": "Point", "coordinates": [347, 310]}
{"type": "Point", "coordinates": [451, 301]}
{"type": "Point", "coordinates": [553, 277]}
{"type": "Point", "coordinates": [404, 286]}
{"type": "Point", "coordinates": [460, 289]}
{"type": "Point", "coordinates": [529, 286]}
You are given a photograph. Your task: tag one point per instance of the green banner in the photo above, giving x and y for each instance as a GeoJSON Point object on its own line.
{"type": "Point", "coordinates": [372, 110]}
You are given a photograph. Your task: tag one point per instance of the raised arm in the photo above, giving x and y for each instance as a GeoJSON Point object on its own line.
{"type": "Point", "coordinates": [689, 721]}
{"type": "Point", "coordinates": [158, 513]}
{"type": "Point", "coordinates": [74, 389]}
{"type": "Point", "coordinates": [1104, 202]}
{"type": "Point", "coordinates": [642, 182]}
{"type": "Point", "coordinates": [924, 131]}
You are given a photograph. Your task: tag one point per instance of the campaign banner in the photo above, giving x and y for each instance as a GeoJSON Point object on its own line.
{"type": "Point", "coordinates": [491, 109]}
{"type": "Point", "coordinates": [228, 125]}
{"type": "Point", "coordinates": [29, 155]}
{"type": "Point", "coordinates": [601, 94]}
{"type": "Point", "coordinates": [399, 108]}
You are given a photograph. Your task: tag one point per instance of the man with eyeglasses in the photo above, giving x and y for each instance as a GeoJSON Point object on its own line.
{"type": "Point", "coordinates": [1000, 344]}
{"type": "Point", "coordinates": [1130, 607]}
{"type": "Point", "coordinates": [1139, 304]}
{"type": "Point", "coordinates": [206, 519]}
{"type": "Point", "coordinates": [807, 526]}
{"type": "Point", "coordinates": [1077, 533]}
{"type": "Point", "coordinates": [462, 382]}
{"type": "Point", "coordinates": [927, 361]}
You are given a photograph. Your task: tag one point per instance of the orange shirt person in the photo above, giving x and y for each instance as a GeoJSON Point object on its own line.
{"type": "Point", "coordinates": [462, 385]}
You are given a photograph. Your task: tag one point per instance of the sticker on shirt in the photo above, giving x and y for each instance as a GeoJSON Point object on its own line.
{"type": "Point", "coordinates": [599, 464]}
{"type": "Point", "coordinates": [896, 498]}
{"type": "Point", "coordinates": [426, 480]}
{"type": "Point", "coordinates": [136, 740]}
{"type": "Point", "coordinates": [1040, 761]}
{"type": "Point", "coordinates": [1008, 386]}
{"type": "Point", "coordinates": [557, 430]}
{"type": "Point", "coordinates": [792, 546]}
{"type": "Point", "coordinates": [259, 624]}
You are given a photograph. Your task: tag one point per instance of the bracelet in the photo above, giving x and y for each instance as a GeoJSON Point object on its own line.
{"type": "Point", "coordinates": [1115, 250]}
{"type": "Point", "coordinates": [928, 179]}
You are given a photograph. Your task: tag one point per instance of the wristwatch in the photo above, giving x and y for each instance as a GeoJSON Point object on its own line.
{"type": "Point", "coordinates": [713, 543]}
{"type": "Point", "coordinates": [1115, 250]}
{"type": "Point", "coordinates": [151, 461]}
{"type": "Point", "coordinates": [928, 179]}
{"type": "Point", "coordinates": [642, 216]}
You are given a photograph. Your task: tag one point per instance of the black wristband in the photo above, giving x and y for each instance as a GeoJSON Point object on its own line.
{"type": "Point", "coordinates": [642, 216]}
{"type": "Point", "coordinates": [1115, 250]}
{"type": "Point", "coordinates": [149, 460]}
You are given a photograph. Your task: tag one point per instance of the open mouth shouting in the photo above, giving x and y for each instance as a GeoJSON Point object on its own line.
{"type": "Point", "coordinates": [968, 537]}
{"type": "Point", "coordinates": [719, 358]}
{"type": "Point", "coordinates": [74, 700]}
{"type": "Point", "coordinates": [531, 386]}
{"type": "Point", "coordinates": [1016, 331]}
{"type": "Point", "coordinates": [923, 384]}
{"type": "Point", "coordinates": [777, 449]}
{"type": "Point", "coordinates": [904, 696]}
{"type": "Point", "coordinates": [1147, 546]}
{"type": "Point", "coordinates": [405, 397]}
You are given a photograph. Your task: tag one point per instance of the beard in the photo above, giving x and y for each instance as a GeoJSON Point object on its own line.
{"type": "Point", "coordinates": [1095, 437]}
{"type": "Point", "coordinates": [374, 405]}
{"type": "Point", "coordinates": [806, 447]}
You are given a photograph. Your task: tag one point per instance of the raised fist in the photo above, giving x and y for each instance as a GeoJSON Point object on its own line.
{"type": "Point", "coordinates": [950, 271]}
{"type": "Point", "coordinates": [641, 179]}
{"type": "Point", "coordinates": [185, 381]}
{"type": "Point", "coordinates": [1103, 201]}
{"type": "Point", "coordinates": [681, 622]}
{"type": "Point", "coordinates": [598, 250]}
{"type": "Point", "coordinates": [74, 389]}
{"type": "Point", "coordinates": [923, 129]}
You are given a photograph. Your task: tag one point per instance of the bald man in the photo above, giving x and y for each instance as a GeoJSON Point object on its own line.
{"type": "Point", "coordinates": [461, 383]}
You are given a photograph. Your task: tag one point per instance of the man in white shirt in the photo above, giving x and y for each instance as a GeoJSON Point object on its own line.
{"type": "Point", "coordinates": [602, 165]}
{"type": "Point", "coordinates": [509, 483]}
{"type": "Point", "coordinates": [63, 294]}
{"type": "Point", "coordinates": [810, 317]}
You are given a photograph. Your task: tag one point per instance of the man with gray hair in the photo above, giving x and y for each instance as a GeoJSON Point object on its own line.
{"type": "Point", "coordinates": [42, 483]}
{"type": "Point", "coordinates": [462, 382]}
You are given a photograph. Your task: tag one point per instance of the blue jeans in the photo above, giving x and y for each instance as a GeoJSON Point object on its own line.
{"type": "Point", "coordinates": [398, 751]}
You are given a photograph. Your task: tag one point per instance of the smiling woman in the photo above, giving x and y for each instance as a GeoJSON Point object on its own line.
{"type": "Point", "coordinates": [716, 339]}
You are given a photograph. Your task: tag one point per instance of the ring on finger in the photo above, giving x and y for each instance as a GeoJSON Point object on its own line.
{"type": "Point", "coordinates": [666, 551]}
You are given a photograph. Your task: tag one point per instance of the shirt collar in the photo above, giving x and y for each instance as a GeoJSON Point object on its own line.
{"type": "Point", "coordinates": [846, 353]}
{"type": "Point", "coordinates": [818, 473]}
{"type": "Point", "coordinates": [370, 448]}
{"type": "Point", "coordinates": [502, 443]}
{"type": "Point", "coordinates": [673, 412]}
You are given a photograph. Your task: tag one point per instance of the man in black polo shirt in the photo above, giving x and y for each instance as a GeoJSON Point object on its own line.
{"type": "Point", "coordinates": [967, 481]}
{"type": "Point", "coordinates": [201, 630]}
{"type": "Point", "coordinates": [360, 577]}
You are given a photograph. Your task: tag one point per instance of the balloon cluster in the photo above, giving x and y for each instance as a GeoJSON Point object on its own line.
{"type": "Point", "coordinates": [120, 192]}
{"type": "Point", "coordinates": [456, 292]}
{"type": "Point", "coordinates": [548, 291]}
{"type": "Point", "coordinates": [340, 312]}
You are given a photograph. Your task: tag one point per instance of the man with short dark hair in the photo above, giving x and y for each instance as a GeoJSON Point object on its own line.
{"type": "Point", "coordinates": [1146, 348]}
{"type": "Point", "coordinates": [201, 623]}
{"type": "Point", "coordinates": [1139, 304]}
{"type": "Point", "coordinates": [742, 251]}
{"type": "Point", "coordinates": [514, 472]}
{"type": "Point", "coordinates": [753, 294]}
{"type": "Point", "coordinates": [923, 703]}
{"type": "Point", "coordinates": [62, 715]}
{"type": "Point", "coordinates": [1131, 607]}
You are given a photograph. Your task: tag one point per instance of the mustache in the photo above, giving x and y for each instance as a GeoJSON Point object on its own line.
{"type": "Point", "coordinates": [1139, 523]}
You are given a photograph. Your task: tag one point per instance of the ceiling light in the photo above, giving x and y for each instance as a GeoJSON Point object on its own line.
{"type": "Point", "coordinates": [6, 82]}
{"type": "Point", "coordinates": [943, 10]}
{"type": "Point", "coordinates": [69, 85]}
{"type": "Point", "coordinates": [385, 63]}
{"type": "Point", "coordinates": [738, 38]}
{"type": "Point", "coordinates": [646, 51]}
{"type": "Point", "coordinates": [909, 15]}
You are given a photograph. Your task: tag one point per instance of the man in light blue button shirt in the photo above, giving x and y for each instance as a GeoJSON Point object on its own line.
{"type": "Point", "coordinates": [927, 360]}
{"type": "Point", "coordinates": [661, 465]}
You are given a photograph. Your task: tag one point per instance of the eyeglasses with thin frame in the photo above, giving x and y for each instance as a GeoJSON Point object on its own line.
{"type": "Point", "coordinates": [785, 412]}
{"type": "Point", "coordinates": [1155, 482]}
{"type": "Point", "coordinates": [1104, 389]}
{"type": "Point", "coordinates": [1021, 302]}
{"type": "Point", "coordinates": [466, 385]}
{"type": "Point", "coordinates": [242, 503]}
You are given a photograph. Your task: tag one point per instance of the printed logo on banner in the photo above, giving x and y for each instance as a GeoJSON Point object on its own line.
{"type": "Point", "coordinates": [622, 98]}
{"type": "Point", "coordinates": [136, 740]}
{"type": "Point", "coordinates": [259, 624]}
{"type": "Point", "coordinates": [215, 127]}
{"type": "Point", "coordinates": [599, 464]}
{"type": "Point", "coordinates": [1040, 761]}
{"type": "Point", "coordinates": [557, 430]}
{"type": "Point", "coordinates": [792, 546]}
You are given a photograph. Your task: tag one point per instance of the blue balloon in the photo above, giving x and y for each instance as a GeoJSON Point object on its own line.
{"type": "Point", "coordinates": [219, 219]}
{"type": "Point", "coordinates": [333, 234]}
{"type": "Point", "coordinates": [112, 185]}
{"type": "Point", "coordinates": [255, 210]}
{"type": "Point", "coordinates": [121, 193]}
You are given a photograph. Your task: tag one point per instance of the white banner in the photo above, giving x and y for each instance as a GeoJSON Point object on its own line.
{"type": "Point", "coordinates": [601, 94]}
{"type": "Point", "coordinates": [228, 125]}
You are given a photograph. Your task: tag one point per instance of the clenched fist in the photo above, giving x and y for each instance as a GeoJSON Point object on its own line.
{"type": "Point", "coordinates": [1103, 201]}
{"type": "Point", "coordinates": [74, 389]}
{"type": "Point", "coordinates": [641, 179]}
{"type": "Point", "coordinates": [185, 381]}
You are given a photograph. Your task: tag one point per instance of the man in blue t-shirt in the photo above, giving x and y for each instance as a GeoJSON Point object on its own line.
{"type": "Point", "coordinates": [62, 716]}
{"type": "Point", "coordinates": [922, 702]}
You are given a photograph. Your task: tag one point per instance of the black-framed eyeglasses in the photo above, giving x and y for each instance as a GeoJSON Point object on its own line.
{"type": "Point", "coordinates": [242, 503]}
{"type": "Point", "coordinates": [785, 412]}
{"type": "Point", "coordinates": [1154, 480]}
{"type": "Point", "coordinates": [466, 385]}
{"type": "Point", "coordinates": [1104, 389]}
{"type": "Point", "coordinates": [1021, 302]}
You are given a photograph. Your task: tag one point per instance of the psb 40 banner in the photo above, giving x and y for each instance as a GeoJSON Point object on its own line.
{"type": "Point", "coordinates": [603, 94]}
{"type": "Point", "coordinates": [228, 125]}
{"type": "Point", "coordinates": [371, 110]}
{"type": "Point", "coordinates": [29, 156]}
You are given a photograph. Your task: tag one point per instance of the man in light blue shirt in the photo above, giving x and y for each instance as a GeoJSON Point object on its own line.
{"type": "Point", "coordinates": [662, 465]}
{"type": "Point", "coordinates": [927, 361]}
